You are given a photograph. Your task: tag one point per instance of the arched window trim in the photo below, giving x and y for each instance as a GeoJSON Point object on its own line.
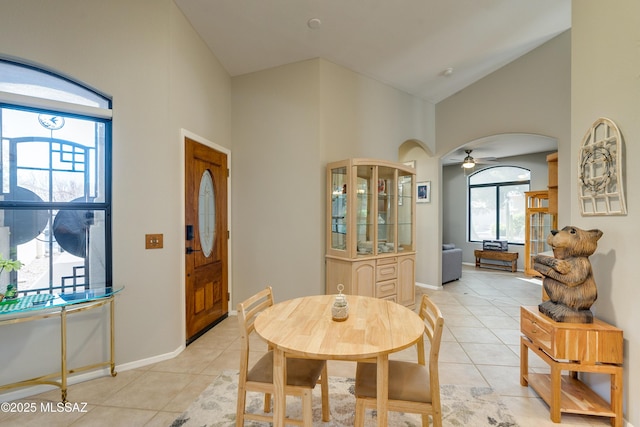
{"type": "Point", "coordinates": [41, 69]}
{"type": "Point", "coordinates": [97, 114]}
{"type": "Point", "coordinates": [18, 100]}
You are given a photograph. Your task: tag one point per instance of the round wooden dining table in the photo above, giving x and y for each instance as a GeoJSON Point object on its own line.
{"type": "Point", "coordinates": [303, 328]}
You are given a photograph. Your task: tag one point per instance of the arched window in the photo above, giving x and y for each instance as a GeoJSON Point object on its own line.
{"type": "Point", "coordinates": [497, 204]}
{"type": "Point", "coordinates": [55, 182]}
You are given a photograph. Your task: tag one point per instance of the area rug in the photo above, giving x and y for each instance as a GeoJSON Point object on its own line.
{"type": "Point", "coordinates": [461, 406]}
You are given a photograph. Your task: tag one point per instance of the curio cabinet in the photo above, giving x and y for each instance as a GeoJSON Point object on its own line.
{"type": "Point", "coordinates": [371, 229]}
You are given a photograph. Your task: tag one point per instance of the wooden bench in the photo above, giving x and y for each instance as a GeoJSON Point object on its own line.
{"type": "Point", "coordinates": [512, 257]}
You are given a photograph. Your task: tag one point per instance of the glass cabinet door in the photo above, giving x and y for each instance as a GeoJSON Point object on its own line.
{"type": "Point", "coordinates": [339, 208]}
{"type": "Point", "coordinates": [365, 221]}
{"type": "Point", "coordinates": [406, 192]}
{"type": "Point", "coordinates": [540, 228]}
{"type": "Point", "coordinates": [386, 209]}
{"type": "Point", "coordinates": [370, 209]}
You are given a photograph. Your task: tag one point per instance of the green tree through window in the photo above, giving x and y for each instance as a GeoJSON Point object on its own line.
{"type": "Point", "coordinates": [497, 204]}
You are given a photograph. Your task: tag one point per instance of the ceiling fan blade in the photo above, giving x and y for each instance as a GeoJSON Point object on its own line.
{"type": "Point", "coordinates": [486, 160]}
{"type": "Point", "coordinates": [470, 159]}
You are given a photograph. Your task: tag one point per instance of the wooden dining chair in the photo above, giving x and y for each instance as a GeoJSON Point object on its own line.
{"type": "Point", "coordinates": [413, 387]}
{"type": "Point", "coordinates": [302, 374]}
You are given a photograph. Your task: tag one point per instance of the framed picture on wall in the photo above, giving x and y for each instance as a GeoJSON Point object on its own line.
{"type": "Point", "coordinates": [424, 192]}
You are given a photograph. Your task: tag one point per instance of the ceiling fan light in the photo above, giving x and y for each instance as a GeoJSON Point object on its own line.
{"type": "Point", "coordinates": [468, 162]}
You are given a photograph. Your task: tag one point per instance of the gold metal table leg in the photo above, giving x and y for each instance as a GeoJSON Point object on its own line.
{"type": "Point", "coordinates": [64, 311]}
{"type": "Point", "coordinates": [63, 355]}
{"type": "Point", "coordinates": [113, 341]}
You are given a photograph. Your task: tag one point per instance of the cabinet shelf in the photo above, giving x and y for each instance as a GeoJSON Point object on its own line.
{"type": "Point", "coordinates": [575, 396]}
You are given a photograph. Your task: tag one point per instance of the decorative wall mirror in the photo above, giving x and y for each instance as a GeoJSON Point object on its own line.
{"type": "Point", "coordinates": [600, 178]}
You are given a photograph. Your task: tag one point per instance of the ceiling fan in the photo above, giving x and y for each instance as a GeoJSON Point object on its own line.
{"type": "Point", "coordinates": [469, 162]}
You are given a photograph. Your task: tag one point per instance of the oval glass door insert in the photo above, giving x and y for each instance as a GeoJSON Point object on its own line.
{"type": "Point", "coordinates": [206, 213]}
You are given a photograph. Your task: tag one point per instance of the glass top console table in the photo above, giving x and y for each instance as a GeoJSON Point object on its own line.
{"type": "Point", "coordinates": [43, 306]}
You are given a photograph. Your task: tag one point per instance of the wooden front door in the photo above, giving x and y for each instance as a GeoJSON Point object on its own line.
{"type": "Point", "coordinates": [206, 236]}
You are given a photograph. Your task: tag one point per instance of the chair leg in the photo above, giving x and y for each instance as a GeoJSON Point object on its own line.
{"type": "Point", "coordinates": [436, 416]}
{"type": "Point", "coordinates": [425, 420]}
{"type": "Point", "coordinates": [307, 411]}
{"type": "Point", "coordinates": [242, 396]}
{"type": "Point", "coordinates": [359, 421]}
{"type": "Point", "coordinates": [324, 387]}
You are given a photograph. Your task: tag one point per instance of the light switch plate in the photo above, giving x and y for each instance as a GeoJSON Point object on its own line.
{"type": "Point", "coordinates": [153, 241]}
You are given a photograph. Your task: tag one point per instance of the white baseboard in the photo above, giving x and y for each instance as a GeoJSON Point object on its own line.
{"type": "Point", "coordinates": [28, 391]}
{"type": "Point", "coordinates": [426, 286]}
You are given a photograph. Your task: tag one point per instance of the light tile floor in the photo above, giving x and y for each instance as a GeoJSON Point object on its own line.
{"type": "Point", "coordinates": [480, 347]}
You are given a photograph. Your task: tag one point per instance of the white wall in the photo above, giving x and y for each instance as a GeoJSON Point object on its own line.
{"type": "Point", "coordinates": [162, 78]}
{"type": "Point", "coordinates": [605, 83]}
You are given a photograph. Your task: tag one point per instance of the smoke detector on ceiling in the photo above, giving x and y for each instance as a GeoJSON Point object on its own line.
{"type": "Point", "coordinates": [314, 23]}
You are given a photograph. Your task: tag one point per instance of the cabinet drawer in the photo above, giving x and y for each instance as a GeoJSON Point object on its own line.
{"type": "Point", "coordinates": [539, 333]}
{"type": "Point", "coordinates": [386, 271]}
{"type": "Point", "coordinates": [590, 343]}
{"type": "Point", "coordinates": [386, 289]}
{"type": "Point", "coordinates": [390, 260]}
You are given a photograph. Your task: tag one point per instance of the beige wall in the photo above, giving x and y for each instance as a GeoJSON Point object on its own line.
{"type": "Point", "coordinates": [364, 118]}
{"type": "Point", "coordinates": [605, 82]}
{"type": "Point", "coordinates": [277, 180]}
{"type": "Point", "coordinates": [361, 117]}
{"type": "Point", "coordinates": [529, 95]}
{"type": "Point", "coordinates": [162, 78]}
{"type": "Point", "coordinates": [428, 219]}
{"type": "Point", "coordinates": [288, 123]}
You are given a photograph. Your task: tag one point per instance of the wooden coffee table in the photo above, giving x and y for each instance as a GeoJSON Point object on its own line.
{"type": "Point", "coordinates": [303, 328]}
{"type": "Point", "coordinates": [510, 257]}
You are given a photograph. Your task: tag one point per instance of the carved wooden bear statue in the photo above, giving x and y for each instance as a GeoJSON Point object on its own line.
{"type": "Point", "coordinates": [568, 278]}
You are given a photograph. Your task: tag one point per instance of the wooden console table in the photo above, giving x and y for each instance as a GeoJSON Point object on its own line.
{"type": "Point", "coordinates": [574, 347]}
{"type": "Point", "coordinates": [44, 306]}
{"type": "Point", "coordinates": [511, 257]}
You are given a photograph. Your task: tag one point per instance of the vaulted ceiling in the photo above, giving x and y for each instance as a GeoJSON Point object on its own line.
{"type": "Point", "coordinates": [428, 48]}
